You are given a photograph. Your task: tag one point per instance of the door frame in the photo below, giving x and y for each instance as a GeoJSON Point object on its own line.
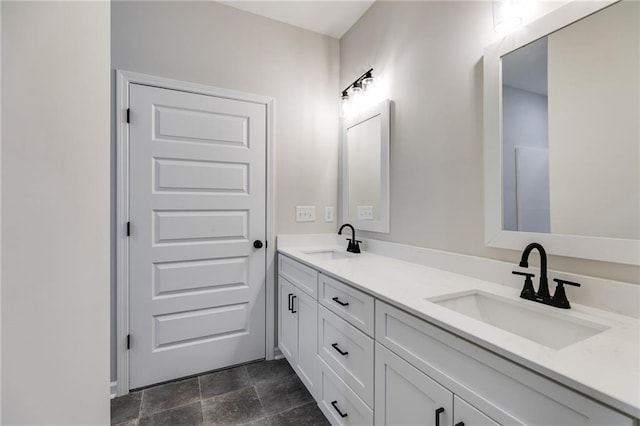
{"type": "Point", "coordinates": [123, 81]}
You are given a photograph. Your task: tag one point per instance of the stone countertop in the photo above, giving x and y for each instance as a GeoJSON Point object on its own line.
{"type": "Point", "coordinates": [605, 366]}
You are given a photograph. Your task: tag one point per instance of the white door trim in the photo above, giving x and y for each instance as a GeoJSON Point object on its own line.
{"type": "Point", "coordinates": [123, 80]}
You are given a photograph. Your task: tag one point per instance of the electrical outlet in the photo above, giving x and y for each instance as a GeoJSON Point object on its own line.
{"type": "Point", "coordinates": [305, 213]}
{"type": "Point", "coordinates": [365, 212]}
{"type": "Point", "coordinates": [328, 214]}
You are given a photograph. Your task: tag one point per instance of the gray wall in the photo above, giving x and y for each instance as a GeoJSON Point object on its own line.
{"type": "Point", "coordinates": [430, 55]}
{"type": "Point", "coordinates": [209, 43]}
{"type": "Point", "coordinates": [55, 213]}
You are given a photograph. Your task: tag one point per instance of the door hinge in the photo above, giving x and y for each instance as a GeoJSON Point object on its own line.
{"type": "Point", "coordinates": [266, 243]}
{"type": "Point", "coordinates": [128, 341]}
{"type": "Point", "coordinates": [128, 115]}
{"type": "Point", "coordinates": [128, 229]}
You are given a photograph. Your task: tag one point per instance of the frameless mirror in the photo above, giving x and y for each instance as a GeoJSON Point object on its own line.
{"type": "Point", "coordinates": [562, 134]}
{"type": "Point", "coordinates": [365, 169]}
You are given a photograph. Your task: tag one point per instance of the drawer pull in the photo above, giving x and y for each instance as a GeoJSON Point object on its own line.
{"type": "Point", "coordinates": [438, 412]}
{"type": "Point", "coordinates": [459, 424]}
{"type": "Point", "coordinates": [293, 306]}
{"type": "Point", "coordinates": [290, 308]}
{"type": "Point", "coordinates": [335, 407]}
{"type": "Point", "coordinates": [335, 346]}
{"type": "Point", "coordinates": [340, 302]}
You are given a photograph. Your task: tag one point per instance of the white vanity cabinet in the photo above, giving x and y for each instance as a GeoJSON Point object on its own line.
{"type": "Point", "coordinates": [298, 319]}
{"type": "Point", "coordinates": [423, 401]}
{"type": "Point", "coordinates": [496, 390]}
{"type": "Point", "coordinates": [366, 361]}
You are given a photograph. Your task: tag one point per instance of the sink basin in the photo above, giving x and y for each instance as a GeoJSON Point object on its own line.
{"type": "Point", "coordinates": [328, 254]}
{"type": "Point", "coordinates": [555, 330]}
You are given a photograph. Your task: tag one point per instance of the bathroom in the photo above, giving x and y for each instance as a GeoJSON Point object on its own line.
{"type": "Point", "coordinates": [61, 338]}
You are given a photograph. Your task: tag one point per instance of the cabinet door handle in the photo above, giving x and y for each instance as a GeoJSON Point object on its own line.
{"type": "Point", "coordinates": [438, 412]}
{"type": "Point", "coordinates": [459, 424]}
{"type": "Point", "coordinates": [335, 407]}
{"type": "Point", "coordinates": [293, 304]}
{"type": "Point", "coordinates": [290, 307]}
{"type": "Point", "coordinates": [335, 346]}
{"type": "Point", "coordinates": [340, 302]}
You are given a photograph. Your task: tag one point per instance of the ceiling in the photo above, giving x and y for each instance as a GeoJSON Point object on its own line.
{"type": "Point", "coordinates": [329, 17]}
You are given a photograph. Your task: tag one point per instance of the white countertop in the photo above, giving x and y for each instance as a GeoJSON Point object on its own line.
{"type": "Point", "coordinates": [605, 367]}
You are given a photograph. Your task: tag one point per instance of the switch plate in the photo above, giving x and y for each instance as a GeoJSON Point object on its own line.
{"type": "Point", "coordinates": [328, 214]}
{"type": "Point", "coordinates": [365, 212]}
{"type": "Point", "coordinates": [305, 213]}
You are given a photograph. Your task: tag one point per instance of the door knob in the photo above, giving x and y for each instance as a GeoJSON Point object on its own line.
{"type": "Point", "coordinates": [257, 244]}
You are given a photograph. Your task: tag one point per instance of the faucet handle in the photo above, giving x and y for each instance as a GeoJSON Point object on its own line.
{"type": "Point", "coordinates": [528, 292]}
{"type": "Point", "coordinates": [356, 246]}
{"type": "Point", "coordinates": [559, 299]}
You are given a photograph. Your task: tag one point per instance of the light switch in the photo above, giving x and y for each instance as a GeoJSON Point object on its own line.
{"type": "Point", "coordinates": [305, 213]}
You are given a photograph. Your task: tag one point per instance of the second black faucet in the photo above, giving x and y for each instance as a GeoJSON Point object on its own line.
{"type": "Point", "coordinates": [354, 245]}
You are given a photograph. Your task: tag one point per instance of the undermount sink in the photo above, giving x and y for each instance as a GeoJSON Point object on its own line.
{"type": "Point", "coordinates": [328, 254]}
{"type": "Point", "coordinates": [555, 330]}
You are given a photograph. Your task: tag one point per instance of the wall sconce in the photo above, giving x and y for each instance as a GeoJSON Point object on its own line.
{"type": "Point", "coordinates": [508, 15]}
{"type": "Point", "coordinates": [359, 86]}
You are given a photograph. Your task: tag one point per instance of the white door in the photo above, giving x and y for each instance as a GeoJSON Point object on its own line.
{"type": "Point", "coordinates": [197, 203]}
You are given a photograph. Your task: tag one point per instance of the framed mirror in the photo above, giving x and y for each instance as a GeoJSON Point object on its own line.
{"type": "Point", "coordinates": [365, 169]}
{"type": "Point", "coordinates": [562, 134]}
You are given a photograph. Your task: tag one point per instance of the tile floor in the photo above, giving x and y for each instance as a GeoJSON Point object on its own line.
{"type": "Point", "coordinates": [263, 393]}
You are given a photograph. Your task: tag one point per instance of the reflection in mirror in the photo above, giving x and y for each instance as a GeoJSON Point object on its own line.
{"type": "Point", "coordinates": [570, 129]}
{"type": "Point", "coordinates": [363, 151]}
{"type": "Point", "coordinates": [365, 197]}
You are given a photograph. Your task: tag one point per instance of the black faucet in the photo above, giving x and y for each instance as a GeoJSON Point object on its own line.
{"type": "Point", "coordinates": [543, 287]}
{"type": "Point", "coordinates": [354, 246]}
{"type": "Point", "coordinates": [559, 299]}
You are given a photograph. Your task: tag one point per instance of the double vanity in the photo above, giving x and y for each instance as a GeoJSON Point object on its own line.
{"type": "Point", "coordinates": [378, 340]}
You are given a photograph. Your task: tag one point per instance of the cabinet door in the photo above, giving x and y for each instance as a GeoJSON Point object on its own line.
{"type": "Point", "coordinates": [287, 322]}
{"type": "Point", "coordinates": [467, 415]}
{"type": "Point", "coordinates": [406, 396]}
{"type": "Point", "coordinates": [307, 365]}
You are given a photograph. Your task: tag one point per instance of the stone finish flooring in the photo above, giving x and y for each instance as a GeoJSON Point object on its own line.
{"type": "Point", "coordinates": [266, 393]}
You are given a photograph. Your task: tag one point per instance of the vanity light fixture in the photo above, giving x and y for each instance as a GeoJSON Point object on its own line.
{"type": "Point", "coordinates": [508, 15]}
{"type": "Point", "coordinates": [359, 84]}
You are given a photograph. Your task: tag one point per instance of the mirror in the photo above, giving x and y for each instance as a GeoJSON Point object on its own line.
{"type": "Point", "coordinates": [365, 169]}
{"type": "Point", "coordinates": [562, 134]}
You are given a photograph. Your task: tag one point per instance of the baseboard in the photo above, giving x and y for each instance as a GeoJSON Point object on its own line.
{"type": "Point", "coordinates": [114, 389]}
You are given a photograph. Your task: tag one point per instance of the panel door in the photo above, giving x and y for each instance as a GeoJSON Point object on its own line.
{"type": "Point", "coordinates": [467, 415]}
{"type": "Point", "coordinates": [306, 308]}
{"type": "Point", "coordinates": [406, 396]}
{"type": "Point", "coordinates": [197, 202]}
{"type": "Point", "coordinates": [287, 322]}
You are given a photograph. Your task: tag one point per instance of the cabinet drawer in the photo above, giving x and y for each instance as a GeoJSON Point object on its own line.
{"type": "Point", "coordinates": [300, 275]}
{"type": "Point", "coordinates": [348, 351]}
{"type": "Point", "coordinates": [503, 390]}
{"type": "Point", "coordinates": [353, 305]}
{"type": "Point", "coordinates": [338, 402]}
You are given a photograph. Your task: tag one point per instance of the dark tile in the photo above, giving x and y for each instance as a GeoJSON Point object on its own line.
{"type": "Point", "coordinates": [187, 415]}
{"type": "Point", "coordinates": [282, 394]}
{"type": "Point", "coordinates": [171, 395]}
{"type": "Point", "coordinates": [261, 422]}
{"type": "Point", "coordinates": [224, 381]}
{"type": "Point", "coordinates": [125, 408]}
{"type": "Point", "coordinates": [232, 408]}
{"type": "Point", "coordinates": [128, 423]}
{"type": "Point", "coordinates": [269, 370]}
{"type": "Point", "coordinates": [308, 414]}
